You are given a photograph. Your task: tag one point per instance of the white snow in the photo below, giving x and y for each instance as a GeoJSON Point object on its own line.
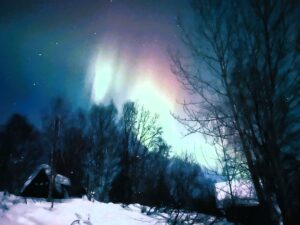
{"type": "Point", "coordinates": [243, 192]}
{"type": "Point", "coordinates": [240, 189]}
{"type": "Point", "coordinates": [14, 211]}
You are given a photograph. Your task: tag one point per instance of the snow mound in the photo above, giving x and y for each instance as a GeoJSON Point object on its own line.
{"type": "Point", "coordinates": [15, 211]}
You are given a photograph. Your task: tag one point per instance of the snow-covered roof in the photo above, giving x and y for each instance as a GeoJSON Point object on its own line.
{"type": "Point", "coordinates": [240, 188]}
{"type": "Point", "coordinates": [243, 192]}
{"type": "Point", "coordinates": [59, 179]}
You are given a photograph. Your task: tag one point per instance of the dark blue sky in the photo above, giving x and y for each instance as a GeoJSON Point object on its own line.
{"type": "Point", "coordinates": [46, 46]}
{"type": "Point", "coordinates": [51, 48]}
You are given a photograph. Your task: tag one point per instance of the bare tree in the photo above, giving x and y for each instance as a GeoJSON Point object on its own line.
{"type": "Point", "coordinates": [140, 127]}
{"type": "Point", "coordinates": [243, 75]}
{"type": "Point", "coordinates": [140, 132]}
{"type": "Point", "coordinates": [53, 160]}
{"type": "Point", "coordinates": [103, 155]}
{"type": "Point", "coordinates": [54, 122]}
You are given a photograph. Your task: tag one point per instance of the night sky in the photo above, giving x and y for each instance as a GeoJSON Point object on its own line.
{"type": "Point", "coordinates": [91, 52]}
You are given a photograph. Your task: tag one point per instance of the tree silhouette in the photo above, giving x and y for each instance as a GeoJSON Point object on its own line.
{"type": "Point", "coordinates": [244, 76]}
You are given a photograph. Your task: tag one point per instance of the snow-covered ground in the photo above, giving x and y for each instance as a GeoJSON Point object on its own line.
{"type": "Point", "coordinates": [15, 211]}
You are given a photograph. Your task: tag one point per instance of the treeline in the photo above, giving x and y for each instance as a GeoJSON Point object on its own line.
{"type": "Point", "coordinates": [118, 157]}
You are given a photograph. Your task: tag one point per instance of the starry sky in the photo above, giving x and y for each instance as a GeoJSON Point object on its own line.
{"type": "Point", "coordinates": [92, 52]}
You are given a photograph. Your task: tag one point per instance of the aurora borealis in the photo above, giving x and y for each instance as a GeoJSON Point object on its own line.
{"type": "Point", "coordinates": [92, 52]}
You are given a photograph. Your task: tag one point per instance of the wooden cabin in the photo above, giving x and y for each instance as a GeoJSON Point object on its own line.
{"type": "Point", "coordinates": [37, 185]}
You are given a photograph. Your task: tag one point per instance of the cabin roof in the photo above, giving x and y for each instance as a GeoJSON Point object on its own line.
{"type": "Point", "coordinates": [59, 179]}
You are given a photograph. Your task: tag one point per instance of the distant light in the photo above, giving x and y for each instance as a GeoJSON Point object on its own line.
{"type": "Point", "coordinates": [103, 73]}
{"type": "Point", "coordinates": [148, 94]}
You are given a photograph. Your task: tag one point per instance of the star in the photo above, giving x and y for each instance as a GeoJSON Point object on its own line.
{"type": "Point", "coordinates": [34, 84]}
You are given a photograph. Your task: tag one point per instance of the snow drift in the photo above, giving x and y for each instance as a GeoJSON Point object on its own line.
{"type": "Point", "coordinates": [15, 211]}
